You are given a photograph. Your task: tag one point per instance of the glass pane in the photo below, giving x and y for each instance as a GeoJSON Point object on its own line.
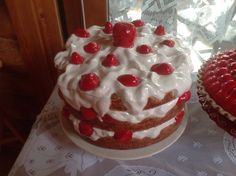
{"type": "Point", "coordinates": [150, 11]}
{"type": "Point", "coordinates": [209, 26]}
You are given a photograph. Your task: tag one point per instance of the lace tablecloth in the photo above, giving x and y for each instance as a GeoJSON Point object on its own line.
{"type": "Point", "coordinates": [202, 150]}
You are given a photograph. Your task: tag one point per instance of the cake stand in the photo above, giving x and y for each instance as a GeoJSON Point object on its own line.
{"type": "Point", "coordinates": [129, 154]}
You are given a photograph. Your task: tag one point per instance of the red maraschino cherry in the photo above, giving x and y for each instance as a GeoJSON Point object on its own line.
{"type": "Point", "coordinates": [144, 49]}
{"type": "Point", "coordinates": [89, 82]}
{"type": "Point", "coordinates": [124, 34]}
{"type": "Point", "coordinates": [108, 28]}
{"type": "Point", "coordinates": [129, 80]}
{"type": "Point", "coordinates": [123, 136]}
{"type": "Point", "coordinates": [76, 58]}
{"type": "Point", "coordinates": [184, 98]}
{"type": "Point", "coordinates": [108, 119]}
{"type": "Point", "coordinates": [138, 23]}
{"type": "Point", "coordinates": [92, 47]}
{"type": "Point", "coordinates": [169, 43]}
{"type": "Point", "coordinates": [110, 60]}
{"type": "Point", "coordinates": [160, 30]}
{"type": "Point", "coordinates": [88, 113]}
{"type": "Point", "coordinates": [81, 33]}
{"type": "Point", "coordinates": [162, 69]}
{"type": "Point", "coordinates": [85, 129]}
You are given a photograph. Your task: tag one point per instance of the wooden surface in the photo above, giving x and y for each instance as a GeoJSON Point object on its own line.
{"type": "Point", "coordinates": [6, 30]}
{"type": "Point", "coordinates": [9, 49]}
{"type": "Point", "coordinates": [95, 12]}
{"type": "Point", "coordinates": [10, 55]}
{"type": "Point", "coordinates": [39, 35]}
{"type": "Point", "coordinates": [73, 15]}
{"type": "Point", "coordinates": [16, 94]}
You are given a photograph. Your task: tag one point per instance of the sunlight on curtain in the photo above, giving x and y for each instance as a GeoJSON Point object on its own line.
{"type": "Point", "coordinates": [209, 26]}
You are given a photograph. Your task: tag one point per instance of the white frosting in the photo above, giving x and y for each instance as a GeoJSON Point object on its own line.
{"type": "Point", "coordinates": [159, 111]}
{"type": "Point", "coordinates": [153, 132]}
{"type": "Point", "coordinates": [131, 62]}
{"type": "Point", "coordinates": [100, 133]}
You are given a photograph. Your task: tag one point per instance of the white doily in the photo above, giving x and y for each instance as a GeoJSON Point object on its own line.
{"type": "Point", "coordinates": [123, 170]}
{"type": "Point", "coordinates": [230, 147]}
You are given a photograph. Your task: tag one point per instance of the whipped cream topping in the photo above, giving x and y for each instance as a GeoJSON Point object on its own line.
{"type": "Point", "coordinates": [131, 62]}
{"type": "Point", "coordinates": [159, 111]}
{"type": "Point", "coordinates": [100, 133]}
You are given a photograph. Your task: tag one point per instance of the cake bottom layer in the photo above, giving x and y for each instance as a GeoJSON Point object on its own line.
{"type": "Point", "coordinates": [111, 143]}
{"type": "Point", "coordinates": [125, 140]}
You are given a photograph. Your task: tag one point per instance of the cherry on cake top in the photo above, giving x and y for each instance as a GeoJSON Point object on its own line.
{"type": "Point", "coordinates": [160, 30]}
{"type": "Point", "coordinates": [162, 68]}
{"type": "Point", "coordinates": [138, 23]}
{"type": "Point", "coordinates": [111, 60]}
{"type": "Point", "coordinates": [124, 34]}
{"type": "Point", "coordinates": [76, 58]}
{"type": "Point", "coordinates": [82, 33]}
{"type": "Point", "coordinates": [108, 28]}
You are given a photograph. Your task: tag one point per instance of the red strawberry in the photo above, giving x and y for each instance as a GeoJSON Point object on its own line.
{"type": "Point", "coordinates": [221, 71]}
{"type": "Point", "coordinates": [108, 28]}
{"type": "Point", "coordinates": [211, 66]}
{"type": "Point", "coordinates": [228, 86]}
{"type": "Point", "coordinates": [129, 80]}
{"type": "Point", "coordinates": [218, 96]}
{"type": "Point", "coordinates": [233, 73]}
{"type": "Point", "coordinates": [76, 59]}
{"type": "Point", "coordinates": [144, 49]}
{"type": "Point", "coordinates": [232, 95]}
{"type": "Point", "coordinates": [231, 60]}
{"type": "Point", "coordinates": [222, 63]}
{"type": "Point", "coordinates": [225, 77]}
{"type": "Point", "coordinates": [65, 112]}
{"type": "Point", "coordinates": [233, 65]}
{"type": "Point", "coordinates": [170, 43]}
{"type": "Point", "coordinates": [209, 74]}
{"type": "Point", "coordinates": [211, 79]}
{"type": "Point", "coordinates": [184, 98]}
{"type": "Point", "coordinates": [162, 69]}
{"type": "Point", "coordinates": [221, 89]}
{"type": "Point", "coordinates": [88, 113]}
{"type": "Point", "coordinates": [124, 34]}
{"type": "Point", "coordinates": [227, 53]}
{"type": "Point", "coordinates": [214, 87]}
{"type": "Point", "coordinates": [179, 117]}
{"type": "Point", "coordinates": [92, 47]}
{"type": "Point", "coordinates": [160, 30]}
{"type": "Point", "coordinates": [85, 129]}
{"type": "Point", "coordinates": [138, 23]}
{"type": "Point", "coordinates": [123, 136]}
{"type": "Point", "coordinates": [89, 82]}
{"type": "Point", "coordinates": [233, 54]}
{"type": "Point", "coordinates": [82, 33]}
{"type": "Point", "coordinates": [110, 60]}
{"type": "Point", "coordinates": [108, 119]}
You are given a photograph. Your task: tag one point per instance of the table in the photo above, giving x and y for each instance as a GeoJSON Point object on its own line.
{"type": "Point", "coordinates": [203, 150]}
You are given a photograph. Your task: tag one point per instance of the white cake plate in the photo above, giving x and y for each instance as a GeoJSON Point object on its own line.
{"type": "Point", "coordinates": [129, 154]}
